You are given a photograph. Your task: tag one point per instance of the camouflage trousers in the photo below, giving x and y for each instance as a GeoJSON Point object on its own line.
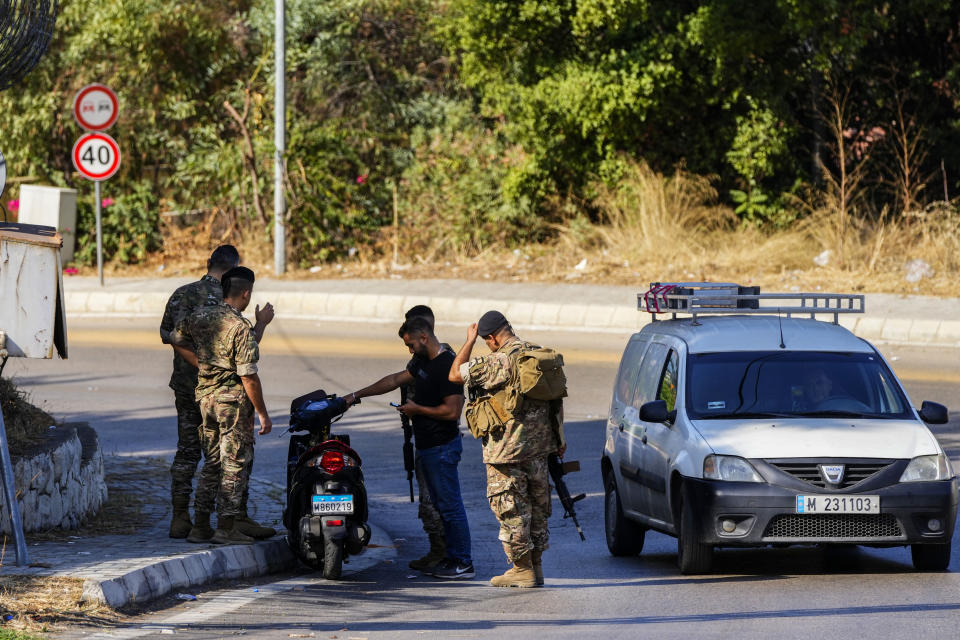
{"type": "Point", "coordinates": [226, 436]}
{"type": "Point", "coordinates": [188, 454]}
{"type": "Point", "coordinates": [427, 512]}
{"type": "Point", "coordinates": [519, 495]}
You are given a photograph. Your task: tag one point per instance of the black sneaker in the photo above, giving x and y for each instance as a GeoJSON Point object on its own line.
{"type": "Point", "coordinates": [451, 569]}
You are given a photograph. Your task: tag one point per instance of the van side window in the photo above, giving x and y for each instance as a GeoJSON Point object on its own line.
{"type": "Point", "coordinates": [629, 366]}
{"type": "Point", "coordinates": [668, 384]}
{"type": "Point", "coordinates": [651, 368]}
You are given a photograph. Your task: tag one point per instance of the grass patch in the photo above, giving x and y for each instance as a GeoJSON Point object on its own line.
{"type": "Point", "coordinates": [37, 603]}
{"type": "Point", "coordinates": [25, 423]}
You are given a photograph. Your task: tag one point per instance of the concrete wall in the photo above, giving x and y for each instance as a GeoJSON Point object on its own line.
{"type": "Point", "coordinates": [61, 484]}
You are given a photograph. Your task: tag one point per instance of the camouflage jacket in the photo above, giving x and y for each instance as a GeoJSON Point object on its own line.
{"type": "Point", "coordinates": [184, 302]}
{"type": "Point", "coordinates": [225, 346]}
{"type": "Point", "coordinates": [535, 428]}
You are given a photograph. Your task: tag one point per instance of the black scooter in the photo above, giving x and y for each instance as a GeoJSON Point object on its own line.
{"type": "Point", "coordinates": [326, 512]}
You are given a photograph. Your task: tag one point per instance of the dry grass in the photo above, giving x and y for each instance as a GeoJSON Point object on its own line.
{"type": "Point", "coordinates": [25, 423]}
{"type": "Point", "coordinates": [37, 603]}
{"type": "Point", "coordinates": [652, 227]}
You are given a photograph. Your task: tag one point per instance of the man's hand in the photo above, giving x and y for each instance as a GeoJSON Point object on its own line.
{"type": "Point", "coordinates": [410, 409]}
{"type": "Point", "coordinates": [264, 316]}
{"type": "Point", "coordinates": [266, 426]}
{"type": "Point", "coordinates": [562, 450]}
{"type": "Point", "coordinates": [472, 333]}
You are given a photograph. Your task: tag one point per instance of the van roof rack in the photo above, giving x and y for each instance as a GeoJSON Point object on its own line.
{"type": "Point", "coordinates": [719, 298]}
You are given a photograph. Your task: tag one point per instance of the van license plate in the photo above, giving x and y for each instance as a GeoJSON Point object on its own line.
{"type": "Point", "coordinates": [838, 504]}
{"type": "Point", "coordinates": [333, 504]}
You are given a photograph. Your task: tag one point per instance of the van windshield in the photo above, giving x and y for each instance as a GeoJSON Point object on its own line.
{"type": "Point", "coordinates": [792, 385]}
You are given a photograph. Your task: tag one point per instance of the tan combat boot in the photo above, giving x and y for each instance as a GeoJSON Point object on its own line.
{"type": "Point", "coordinates": [227, 533]}
{"type": "Point", "coordinates": [535, 556]}
{"type": "Point", "coordinates": [201, 531]}
{"type": "Point", "coordinates": [248, 526]}
{"type": "Point", "coordinates": [180, 525]}
{"type": "Point", "coordinates": [438, 551]}
{"type": "Point", "coordinates": [520, 575]}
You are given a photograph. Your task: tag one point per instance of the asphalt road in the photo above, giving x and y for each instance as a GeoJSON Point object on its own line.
{"type": "Point", "coordinates": [116, 377]}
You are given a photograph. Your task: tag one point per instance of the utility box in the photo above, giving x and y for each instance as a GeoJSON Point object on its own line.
{"type": "Point", "coordinates": [52, 207]}
{"type": "Point", "coordinates": [32, 311]}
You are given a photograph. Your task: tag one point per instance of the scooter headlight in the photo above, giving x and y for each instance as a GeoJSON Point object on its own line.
{"type": "Point", "coordinates": [332, 461]}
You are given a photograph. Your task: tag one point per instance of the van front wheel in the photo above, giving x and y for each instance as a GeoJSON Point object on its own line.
{"type": "Point", "coordinates": [692, 555]}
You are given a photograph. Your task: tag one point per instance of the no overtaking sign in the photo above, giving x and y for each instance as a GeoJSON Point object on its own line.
{"type": "Point", "coordinates": [96, 107]}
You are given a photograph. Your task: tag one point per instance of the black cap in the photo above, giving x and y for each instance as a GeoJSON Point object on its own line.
{"type": "Point", "coordinates": [489, 323]}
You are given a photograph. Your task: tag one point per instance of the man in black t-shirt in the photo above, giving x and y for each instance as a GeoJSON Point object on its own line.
{"type": "Point", "coordinates": [435, 415]}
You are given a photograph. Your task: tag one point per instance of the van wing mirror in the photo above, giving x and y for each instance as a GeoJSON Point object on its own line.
{"type": "Point", "coordinates": [933, 413]}
{"type": "Point", "coordinates": [656, 411]}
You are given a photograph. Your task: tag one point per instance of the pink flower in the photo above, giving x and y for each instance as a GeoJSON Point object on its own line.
{"type": "Point", "coordinates": [71, 271]}
{"type": "Point", "coordinates": [13, 205]}
{"type": "Point", "coordinates": [106, 202]}
{"type": "Point", "coordinates": [362, 178]}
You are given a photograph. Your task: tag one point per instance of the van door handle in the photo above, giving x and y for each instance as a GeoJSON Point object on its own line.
{"type": "Point", "coordinates": [643, 439]}
{"type": "Point", "coordinates": [621, 426]}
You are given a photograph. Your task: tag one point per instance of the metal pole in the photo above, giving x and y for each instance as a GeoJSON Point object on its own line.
{"type": "Point", "coordinates": [10, 491]}
{"type": "Point", "coordinates": [99, 236]}
{"type": "Point", "coordinates": [279, 138]}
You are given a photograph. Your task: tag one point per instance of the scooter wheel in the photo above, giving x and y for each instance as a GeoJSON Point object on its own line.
{"type": "Point", "coordinates": [332, 559]}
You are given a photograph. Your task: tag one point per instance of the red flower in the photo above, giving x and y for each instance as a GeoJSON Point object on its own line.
{"type": "Point", "coordinates": [13, 205]}
{"type": "Point", "coordinates": [362, 178]}
{"type": "Point", "coordinates": [106, 202]}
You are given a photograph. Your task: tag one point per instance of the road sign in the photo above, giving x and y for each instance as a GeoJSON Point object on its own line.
{"type": "Point", "coordinates": [96, 156]}
{"type": "Point", "coordinates": [96, 107]}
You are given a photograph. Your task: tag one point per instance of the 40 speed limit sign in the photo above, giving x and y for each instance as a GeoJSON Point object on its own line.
{"type": "Point", "coordinates": [96, 156]}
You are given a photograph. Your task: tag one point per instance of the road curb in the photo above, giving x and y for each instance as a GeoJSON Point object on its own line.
{"type": "Point", "coordinates": [189, 570]}
{"type": "Point", "coordinates": [526, 315]}
{"type": "Point", "coordinates": [229, 562]}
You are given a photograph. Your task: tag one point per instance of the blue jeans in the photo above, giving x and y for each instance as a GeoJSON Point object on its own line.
{"type": "Point", "coordinates": [439, 466]}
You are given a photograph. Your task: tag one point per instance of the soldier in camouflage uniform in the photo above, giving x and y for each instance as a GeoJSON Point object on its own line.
{"type": "Point", "coordinates": [427, 512]}
{"type": "Point", "coordinates": [184, 302]}
{"type": "Point", "coordinates": [518, 486]}
{"type": "Point", "coordinates": [228, 393]}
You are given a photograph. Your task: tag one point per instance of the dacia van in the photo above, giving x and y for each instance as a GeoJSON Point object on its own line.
{"type": "Point", "coordinates": [745, 419]}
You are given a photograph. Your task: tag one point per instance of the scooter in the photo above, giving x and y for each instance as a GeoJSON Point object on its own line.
{"type": "Point", "coordinates": [326, 512]}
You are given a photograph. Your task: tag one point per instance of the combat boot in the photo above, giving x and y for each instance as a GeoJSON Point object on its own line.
{"type": "Point", "coordinates": [180, 525]}
{"type": "Point", "coordinates": [535, 557]}
{"type": "Point", "coordinates": [227, 533]}
{"type": "Point", "coordinates": [438, 551]}
{"type": "Point", "coordinates": [201, 531]}
{"type": "Point", "coordinates": [250, 527]}
{"type": "Point", "coordinates": [520, 575]}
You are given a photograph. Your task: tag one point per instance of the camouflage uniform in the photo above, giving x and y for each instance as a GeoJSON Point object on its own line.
{"type": "Point", "coordinates": [226, 350]}
{"type": "Point", "coordinates": [427, 512]}
{"type": "Point", "coordinates": [518, 486]}
{"type": "Point", "coordinates": [183, 303]}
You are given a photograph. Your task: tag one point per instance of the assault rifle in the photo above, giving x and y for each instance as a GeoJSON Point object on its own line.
{"type": "Point", "coordinates": [409, 464]}
{"type": "Point", "coordinates": [558, 469]}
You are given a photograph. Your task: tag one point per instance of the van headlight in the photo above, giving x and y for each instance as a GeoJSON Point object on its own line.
{"type": "Point", "coordinates": [729, 468]}
{"type": "Point", "coordinates": [927, 468]}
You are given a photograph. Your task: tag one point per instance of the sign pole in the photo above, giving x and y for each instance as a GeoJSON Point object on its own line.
{"type": "Point", "coordinates": [279, 137]}
{"type": "Point", "coordinates": [99, 236]}
{"type": "Point", "coordinates": [10, 491]}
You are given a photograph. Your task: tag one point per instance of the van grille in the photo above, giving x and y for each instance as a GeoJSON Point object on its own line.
{"type": "Point", "coordinates": [809, 472]}
{"type": "Point", "coordinates": [819, 526]}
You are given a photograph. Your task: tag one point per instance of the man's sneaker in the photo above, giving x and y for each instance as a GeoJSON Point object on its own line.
{"type": "Point", "coordinates": [451, 569]}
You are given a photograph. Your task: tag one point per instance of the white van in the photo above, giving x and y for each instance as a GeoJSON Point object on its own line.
{"type": "Point", "coordinates": [737, 423]}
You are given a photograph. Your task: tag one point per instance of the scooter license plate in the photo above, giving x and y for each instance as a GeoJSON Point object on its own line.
{"type": "Point", "coordinates": [333, 504]}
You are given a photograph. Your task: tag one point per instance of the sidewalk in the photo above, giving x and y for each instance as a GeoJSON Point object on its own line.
{"type": "Point", "coordinates": [888, 318]}
{"type": "Point", "coordinates": [135, 568]}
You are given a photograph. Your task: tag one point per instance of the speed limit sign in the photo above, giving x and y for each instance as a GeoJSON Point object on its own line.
{"type": "Point", "coordinates": [96, 156]}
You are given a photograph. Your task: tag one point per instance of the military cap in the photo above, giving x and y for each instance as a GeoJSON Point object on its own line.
{"type": "Point", "coordinates": [489, 323]}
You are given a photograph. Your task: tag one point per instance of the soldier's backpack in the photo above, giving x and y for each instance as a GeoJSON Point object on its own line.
{"type": "Point", "coordinates": [540, 374]}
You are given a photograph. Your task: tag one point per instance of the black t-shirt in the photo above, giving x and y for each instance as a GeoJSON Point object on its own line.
{"type": "Point", "coordinates": [431, 378]}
